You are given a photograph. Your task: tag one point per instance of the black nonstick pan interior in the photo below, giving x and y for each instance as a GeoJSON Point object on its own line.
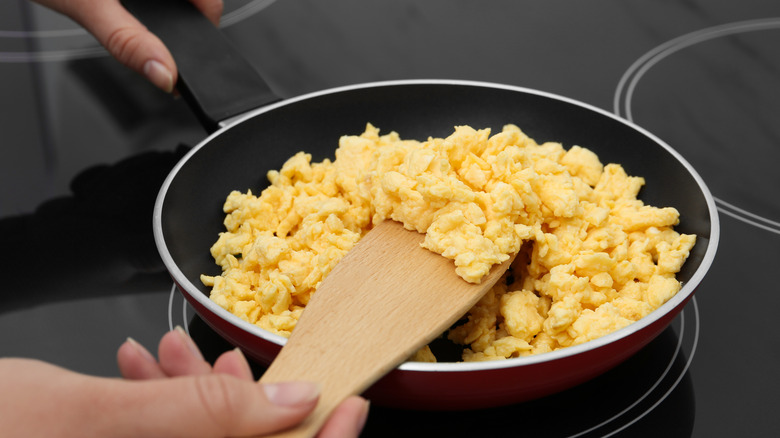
{"type": "Point", "coordinates": [239, 157]}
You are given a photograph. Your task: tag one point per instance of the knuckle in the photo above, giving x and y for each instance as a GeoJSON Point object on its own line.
{"type": "Point", "coordinates": [123, 43]}
{"type": "Point", "coordinates": [220, 405]}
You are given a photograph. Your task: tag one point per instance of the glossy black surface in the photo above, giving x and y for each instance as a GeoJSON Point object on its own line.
{"type": "Point", "coordinates": [85, 144]}
{"type": "Point", "coordinates": [239, 158]}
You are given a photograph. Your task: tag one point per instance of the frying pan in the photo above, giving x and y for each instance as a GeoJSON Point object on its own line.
{"type": "Point", "coordinates": [252, 131]}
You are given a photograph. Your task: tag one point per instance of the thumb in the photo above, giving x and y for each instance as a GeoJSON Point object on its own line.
{"type": "Point", "coordinates": [125, 38]}
{"type": "Point", "coordinates": [212, 405]}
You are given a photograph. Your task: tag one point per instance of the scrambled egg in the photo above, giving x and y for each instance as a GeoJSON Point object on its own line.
{"type": "Point", "coordinates": [592, 257]}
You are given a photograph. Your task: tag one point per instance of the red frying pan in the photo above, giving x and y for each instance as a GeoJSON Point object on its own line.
{"type": "Point", "coordinates": [253, 131]}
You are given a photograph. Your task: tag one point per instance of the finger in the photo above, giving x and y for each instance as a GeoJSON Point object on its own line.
{"type": "Point", "coordinates": [212, 9]}
{"type": "Point", "coordinates": [347, 420]}
{"type": "Point", "coordinates": [136, 362]}
{"type": "Point", "coordinates": [38, 399]}
{"type": "Point", "coordinates": [125, 38]}
{"type": "Point", "coordinates": [179, 356]}
{"type": "Point", "coordinates": [234, 363]}
{"type": "Point", "coordinates": [206, 406]}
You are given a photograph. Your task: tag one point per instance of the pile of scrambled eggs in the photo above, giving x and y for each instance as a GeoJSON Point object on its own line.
{"type": "Point", "coordinates": [592, 257]}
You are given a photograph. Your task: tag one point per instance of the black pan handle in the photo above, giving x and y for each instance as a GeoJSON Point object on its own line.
{"type": "Point", "coordinates": [216, 81]}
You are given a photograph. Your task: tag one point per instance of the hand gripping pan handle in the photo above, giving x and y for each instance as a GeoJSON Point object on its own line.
{"type": "Point", "coordinates": [216, 81]}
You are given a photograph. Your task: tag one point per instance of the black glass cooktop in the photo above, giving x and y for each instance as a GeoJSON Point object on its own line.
{"type": "Point", "coordinates": [86, 145]}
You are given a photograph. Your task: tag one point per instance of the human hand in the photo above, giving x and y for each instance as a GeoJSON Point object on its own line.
{"type": "Point", "coordinates": [126, 39]}
{"type": "Point", "coordinates": [180, 395]}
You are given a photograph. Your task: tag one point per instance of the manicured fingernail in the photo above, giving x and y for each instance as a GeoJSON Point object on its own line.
{"type": "Point", "coordinates": [291, 393]}
{"type": "Point", "coordinates": [159, 75]}
{"type": "Point", "coordinates": [189, 343]}
{"type": "Point", "coordinates": [361, 423]}
{"type": "Point", "coordinates": [141, 350]}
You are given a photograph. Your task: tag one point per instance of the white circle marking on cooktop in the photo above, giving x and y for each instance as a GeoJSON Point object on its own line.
{"type": "Point", "coordinates": [653, 387]}
{"type": "Point", "coordinates": [628, 83]}
{"type": "Point", "coordinates": [228, 19]}
{"type": "Point", "coordinates": [677, 380]}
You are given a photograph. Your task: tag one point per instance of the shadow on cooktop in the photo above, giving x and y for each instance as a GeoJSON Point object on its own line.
{"type": "Point", "coordinates": [96, 241]}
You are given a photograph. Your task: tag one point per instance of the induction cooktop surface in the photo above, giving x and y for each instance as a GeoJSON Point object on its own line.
{"type": "Point", "coordinates": [87, 144]}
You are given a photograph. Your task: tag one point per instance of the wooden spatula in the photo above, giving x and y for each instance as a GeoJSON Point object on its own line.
{"type": "Point", "coordinates": [383, 301]}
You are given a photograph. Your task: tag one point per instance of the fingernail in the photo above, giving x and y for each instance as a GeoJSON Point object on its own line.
{"type": "Point", "coordinates": [363, 417]}
{"type": "Point", "coordinates": [189, 343]}
{"type": "Point", "coordinates": [159, 75]}
{"type": "Point", "coordinates": [141, 350]}
{"type": "Point", "coordinates": [291, 393]}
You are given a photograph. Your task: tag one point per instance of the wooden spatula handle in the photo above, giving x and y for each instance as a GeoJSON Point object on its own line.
{"type": "Point", "coordinates": [383, 301]}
